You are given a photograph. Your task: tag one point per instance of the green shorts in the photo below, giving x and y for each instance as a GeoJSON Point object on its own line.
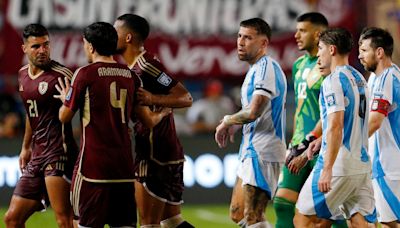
{"type": "Point", "coordinates": [295, 182]}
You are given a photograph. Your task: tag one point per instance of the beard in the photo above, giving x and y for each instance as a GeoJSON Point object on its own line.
{"type": "Point", "coordinates": [371, 68]}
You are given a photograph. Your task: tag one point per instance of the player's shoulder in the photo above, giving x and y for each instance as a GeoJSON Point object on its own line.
{"type": "Point", "coordinates": [150, 64]}
{"type": "Point", "coordinates": [300, 60]}
{"type": "Point", "coordinates": [23, 68]}
{"type": "Point", "coordinates": [61, 69]}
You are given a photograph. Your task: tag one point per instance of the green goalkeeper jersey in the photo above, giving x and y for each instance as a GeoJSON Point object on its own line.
{"type": "Point", "coordinates": [307, 83]}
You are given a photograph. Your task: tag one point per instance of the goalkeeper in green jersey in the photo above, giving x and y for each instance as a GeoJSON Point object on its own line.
{"type": "Point", "coordinates": [307, 82]}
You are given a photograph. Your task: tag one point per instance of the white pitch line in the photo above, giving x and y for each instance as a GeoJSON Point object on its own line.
{"type": "Point", "coordinates": [216, 218]}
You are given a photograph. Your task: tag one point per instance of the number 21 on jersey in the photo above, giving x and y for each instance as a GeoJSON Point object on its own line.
{"type": "Point", "coordinates": [33, 110]}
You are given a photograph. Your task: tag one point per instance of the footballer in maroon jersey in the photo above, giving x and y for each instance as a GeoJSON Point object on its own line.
{"type": "Point", "coordinates": [160, 157]}
{"type": "Point", "coordinates": [49, 151]}
{"type": "Point", "coordinates": [104, 92]}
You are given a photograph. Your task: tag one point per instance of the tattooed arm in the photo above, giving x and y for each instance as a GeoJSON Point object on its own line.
{"type": "Point", "coordinates": [231, 123]}
{"type": "Point", "coordinates": [248, 114]}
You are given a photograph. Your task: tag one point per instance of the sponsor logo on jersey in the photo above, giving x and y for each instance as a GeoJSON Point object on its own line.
{"type": "Point", "coordinates": [42, 88]}
{"type": "Point", "coordinates": [164, 79]}
{"type": "Point", "coordinates": [330, 100]}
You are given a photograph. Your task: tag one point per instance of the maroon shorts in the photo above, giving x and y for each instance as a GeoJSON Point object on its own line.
{"type": "Point", "coordinates": [32, 185]}
{"type": "Point", "coordinates": [165, 182]}
{"type": "Point", "coordinates": [97, 204]}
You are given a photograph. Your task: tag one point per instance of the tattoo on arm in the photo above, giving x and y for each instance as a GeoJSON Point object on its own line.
{"type": "Point", "coordinates": [248, 114]}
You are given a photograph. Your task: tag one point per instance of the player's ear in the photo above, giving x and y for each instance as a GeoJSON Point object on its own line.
{"type": "Point", "coordinates": [332, 50]}
{"type": "Point", "coordinates": [23, 47]}
{"type": "Point", "coordinates": [128, 37]}
{"type": "Point", "coordinates": [380, 52]}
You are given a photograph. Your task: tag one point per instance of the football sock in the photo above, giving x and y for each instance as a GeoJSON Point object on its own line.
{"type": "Point", "coordinates": [263, 224]}
{"type": "Point", "coordinates": [172, 222]}
{"type": "Point", "coordinates": [242, 223]}
{"type": "Point", "coordinates": [284, 210]}
{"type": "Point", "coordinates": [150, 226]}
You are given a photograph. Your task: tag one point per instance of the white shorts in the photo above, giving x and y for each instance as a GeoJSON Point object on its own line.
{"type": "Point", "coordinates": [349, 195]}
{"type": "Point", "coordinates": [261, 174]}
{"type": "Point", "coordinates": [387, 199]}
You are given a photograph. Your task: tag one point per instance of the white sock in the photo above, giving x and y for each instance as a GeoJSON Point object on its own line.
{"type": "Point", "coordinates": [242, 223]}
{"type": "Point", "coordinates": [150, 226]}
{"type": "Point", "coordinates": [263, 224]}
{"type": "Point", "coordinates": [172, 222]}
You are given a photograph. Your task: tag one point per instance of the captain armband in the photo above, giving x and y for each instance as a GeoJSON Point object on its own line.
{"type": "Point", "coordinates": [380, 105]}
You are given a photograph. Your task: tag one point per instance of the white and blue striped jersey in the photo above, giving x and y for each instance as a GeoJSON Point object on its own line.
{"type": "Point", "coordinates": [265, 137]}
{"type": "Point", "coordinates": [345, 89]}
{"type": "Point", "coordinates": [384, 144]}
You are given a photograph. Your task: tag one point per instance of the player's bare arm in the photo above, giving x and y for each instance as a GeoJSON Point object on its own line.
{"type": "Point", "coordinates": [248, 114]}
{"type": "Point", "coordinates": [150, 118]}
{"type": "Point", "coordinates": [231, 123]}
{"type": "Point", "coordinates": [374, 122]}
{"type": "Point", "coordinates": [25, 154]}
{"type": "Point", "coordinates": [334, 132]}
{"type": "Point", "coordinates": [178, 97]}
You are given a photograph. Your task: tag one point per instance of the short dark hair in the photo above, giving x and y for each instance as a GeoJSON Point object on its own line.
{"type": "Point", "coordinates": [103, 37]}
{"type": "Point", "coordinates": [136, 24]}
{"type": "Point", "coordinates": [339, 37]}
{"type": "Point", "coordinates": [259, 25]}
{"type": "Point", "coordinates": [379, 38]}
{"type": "Point", "coordinates": [36, 30]}
{"type": "Point", "coordinates": [314, 18]}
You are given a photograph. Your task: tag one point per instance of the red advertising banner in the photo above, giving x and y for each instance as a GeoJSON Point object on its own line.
{"type": "Point", "coordinates": [193, 38]}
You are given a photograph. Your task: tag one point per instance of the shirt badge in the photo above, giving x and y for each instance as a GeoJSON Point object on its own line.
{"type": "Point", "coordinates": [330, 100]}
{"type": "Point", "coordinates": [164, 79]}
{"type": "Point", "coordinates": [42, 88]}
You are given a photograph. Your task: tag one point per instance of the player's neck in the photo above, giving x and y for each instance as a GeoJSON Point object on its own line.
{"type": "Point", "coordinates": [259, 56]}
{"type": "Point", "coordinates": [313, 52]}
{"type": "Point", "coordinates": [131, 54]}
{"type": "Point", "coordinates": [383, 65]}
{"type": "Point", "coordinates": [339, 60]}
{"type": "Point", "coordinates": [102, 58]}
{"type": "Point", "coordinates": [34, 70]}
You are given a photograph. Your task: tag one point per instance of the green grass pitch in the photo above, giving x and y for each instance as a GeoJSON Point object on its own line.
{"type": "Point", "coordinates": [207, 216]}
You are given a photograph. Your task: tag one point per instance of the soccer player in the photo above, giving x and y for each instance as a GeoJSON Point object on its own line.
{"type": "Point", "coordinates": [104, 92]}
{"type": "Point", "coordinates": [375, 53]}
{"type": "Point", "coordinates": [262, 119]}
{"type": "Point", "coordinates": [307, 83]}
{"type": "Point", "coordinates": [160, 157]}
{"type": "Point", "coordinates": [340, 181]}
{"type": "Point", "coordinates": [48, 150]}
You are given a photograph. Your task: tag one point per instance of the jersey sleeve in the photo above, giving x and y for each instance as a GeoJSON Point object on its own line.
{"type": "Point", "coordinates": [76, 93]}
{"type": "Point", "coordinates": [265, 80]}
{"type": "Point", "coordinates": [333, 94]}
{"type": "Point", "coordinates": [382, 88]}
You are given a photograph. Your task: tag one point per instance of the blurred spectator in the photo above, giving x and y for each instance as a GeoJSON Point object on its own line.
{"type": "Point", "coordinates": [205, 113]}
{"type": "Point", "coordinates": [10, 112]}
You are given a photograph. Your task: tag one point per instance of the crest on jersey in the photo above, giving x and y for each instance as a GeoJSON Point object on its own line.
{"type": "Point", "coordinates": [330, 100]}
{"type": "Point", "coordinates": [42, 88]}
{"type": "Point", "coordinates": [164, 79]}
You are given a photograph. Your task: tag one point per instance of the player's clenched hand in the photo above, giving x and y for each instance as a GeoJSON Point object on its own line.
{"type": "Point", "coordinates": [324, 182]}
{"type": "Point", "coordinates": [24, 158]}
{"type": "Point", "coordinates": [62, 88]}
{"type": "Point", "coordinates": [144, 97]}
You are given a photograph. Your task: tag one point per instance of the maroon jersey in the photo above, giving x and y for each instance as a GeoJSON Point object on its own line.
{"type": "Point", "coordinates": [104, 93]}
{"type": "Point", "coordinates": [48, 134]}
{"type": "Point", "coordinates": [160, 143]}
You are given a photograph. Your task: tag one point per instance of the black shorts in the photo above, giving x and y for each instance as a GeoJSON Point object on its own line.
{"type": "Point", "coordinates": [32, 184]}
{"type": "Point", "coordinates": [164, 182]}
{"type": "Point", "coordinates": [97, 204]}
